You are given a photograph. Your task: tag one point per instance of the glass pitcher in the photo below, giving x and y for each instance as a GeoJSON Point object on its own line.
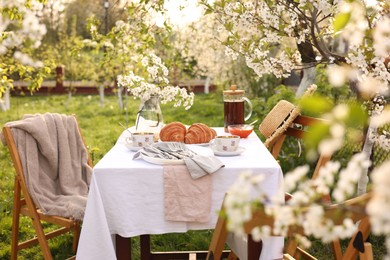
{"type": "Point", "coordinates": [234, 107]}
{"type": "Point", "coordinates": [149, 116]}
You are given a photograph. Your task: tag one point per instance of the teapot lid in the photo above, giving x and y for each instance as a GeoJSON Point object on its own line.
{"type": "Point", "coordinates": [234, 91]}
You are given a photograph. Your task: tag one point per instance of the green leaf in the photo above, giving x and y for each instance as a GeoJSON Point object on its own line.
{"type": "Point", "coordinates": [341, 21]}
{"type": "Point", "coordinates": [229, 25]}
{"type": "Point", "coordinates": [357, 116]}
{"type": "Point", "coordinates": [315, 105]}
{"type": "Point", "coordinates": [209, 11]}
{"type": "Point", "coordinates": [317, 133]}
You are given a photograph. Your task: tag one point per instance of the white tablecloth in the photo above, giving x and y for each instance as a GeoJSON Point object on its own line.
{"type": "Point", "coordinates": [126, 196]}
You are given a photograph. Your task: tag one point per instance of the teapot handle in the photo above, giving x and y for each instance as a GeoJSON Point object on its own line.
{"type": "Point", "coordinates": [250, 108]}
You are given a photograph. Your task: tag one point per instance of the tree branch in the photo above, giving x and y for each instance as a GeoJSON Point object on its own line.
{"type": "Point", "coordinates": [313, 35]}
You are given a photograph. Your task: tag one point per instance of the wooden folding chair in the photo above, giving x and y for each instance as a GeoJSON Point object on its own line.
{"type": "Point", "coordinates": [357, 244]}
{"type": "Point", "coordinates": [297, 129]}
{"type": "Point", "coordinates": [24, 205]}
{"type": "Point", "coordinates": [353, 209]}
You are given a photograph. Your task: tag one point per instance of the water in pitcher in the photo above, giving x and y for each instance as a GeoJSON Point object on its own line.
{"type": "Point", "coordinates": [149, 117]}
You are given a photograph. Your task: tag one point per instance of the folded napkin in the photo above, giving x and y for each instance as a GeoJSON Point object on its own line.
{"type": "Point", "coordinates": [197, 165]}
{"type": "Point", "coordinates": [201, 165]}
{"type": "Point", "coordinates": [186, 199]}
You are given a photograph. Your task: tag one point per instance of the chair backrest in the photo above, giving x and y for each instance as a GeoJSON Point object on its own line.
{"type": "Point", "coordinates": [299, 127]}
{"type": "Point", "coordinates": [11, 144]}
{"type": "Point", "coordinates": [353, 208]}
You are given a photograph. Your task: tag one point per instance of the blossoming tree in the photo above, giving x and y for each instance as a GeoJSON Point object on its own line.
{"type": "Point", "coordinates": [352, 40]}
{"type": "Point", "coordinates": [130, 43]}
{"type": "Point", "coordinates": [21, 32]}
{"type": "Point", "coordinates": [277, 37]}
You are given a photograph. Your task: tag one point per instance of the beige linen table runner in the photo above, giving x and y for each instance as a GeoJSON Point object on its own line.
{"type": "Point", "coordinates": [185, 198]}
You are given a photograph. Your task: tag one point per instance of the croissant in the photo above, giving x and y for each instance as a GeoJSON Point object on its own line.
{"type": "Point", "coordinates": [173, 132]}
{"type": "Point", "coordinates": [199, 133]}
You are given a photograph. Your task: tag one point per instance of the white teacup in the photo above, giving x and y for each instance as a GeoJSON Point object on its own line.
{"type": "Point", "coordinates": [140, 139]}
{"type": "Point", "coordinates": [225, 143]}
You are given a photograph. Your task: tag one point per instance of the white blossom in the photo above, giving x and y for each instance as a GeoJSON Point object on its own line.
{"type": "Point", "coordinates": [370, 86]}
{"type": "Point", "coordinates": [259, 233]}
{"type": "Point", "coordinates": [381, 119]}
{"type": "Point", "coordinates": [338, 75]}
{"type": "Point", "coordinates": [379, 205]}
{"type": "Point", "coordinates": [381, 138]}
{"type": "Point", "coordinates": [355, 29]}
{"type": "Point", "coordinates": [15, 35]}
{"type": "Point", "coordinates": [381, 37]}
{"type": "Point", "coordinates": [292, 178]}
{"type": "Point", "coordinates": [27, 60]}
{"type": "Point", "coordinates": [326, 177]}
{"type": "Point", "coordinates": [348, 178]}
{"type": "Point", "coordinates": [139, 87]}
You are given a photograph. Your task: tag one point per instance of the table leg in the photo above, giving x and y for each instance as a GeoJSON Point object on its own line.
{"type": "Point", "coordinates": [145, 247]}
{"type": "Point", "coordinates": [254, 248]}
{"type": "Point", "coordinates": [123, 247]}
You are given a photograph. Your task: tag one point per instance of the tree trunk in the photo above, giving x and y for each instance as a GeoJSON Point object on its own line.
{"type": "Point", "coordinates": [367, 150]}
{"type": "Point", "coordinates": [368, 145]}
{"type": "Point", "coordinates": [69, 97]}
{"type": "Point", "coordinates": [207, 85]}
{"type": "Point", "coordinates": [2, 105]}
{"type": "Point", "coordinates": [126, 110]}
{"type": "Point", "coordinates": [309, 72]}
{"type": "Point", "coordinates": [309, 78]}
{"type": "Point", "coordinates": [101, 94]}
{"type": "Point", "coordinates": [120, 100]}
{"type": "Point", "coordinates": [5, 103]}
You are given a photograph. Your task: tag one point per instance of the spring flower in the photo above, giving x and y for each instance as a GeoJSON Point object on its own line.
{"type": "Point", "coordinates": [381, 37]}
{"type": "Point", "coordinates": [379, 205]}
{"type": "Point", "coordinates": [349, 177]}
{"type": "Point", "coordinates": [157, 72]}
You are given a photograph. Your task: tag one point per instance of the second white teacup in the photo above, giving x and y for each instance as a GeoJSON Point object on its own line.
{"type": "Point", "coordinates": [140, 139]}
{"type": "Point", "coordinates": [225, 143]}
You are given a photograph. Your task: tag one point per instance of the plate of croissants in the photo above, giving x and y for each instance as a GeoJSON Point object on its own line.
{"type": "Point", "coordinates": [197, 133]}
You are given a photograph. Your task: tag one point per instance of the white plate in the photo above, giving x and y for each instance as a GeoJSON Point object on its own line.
{"type": "Point", "coordinates": [200, 144]}
{"type": "Point", "coordinates": [131, 147]}
{"type": "Point", "coordinates": [161, 161]}
{"type": "Point", "coordinates": [239, 150]}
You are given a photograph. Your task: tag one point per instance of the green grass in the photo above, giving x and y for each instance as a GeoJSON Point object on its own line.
{"type": "Point", "coordinates": [100, 128]}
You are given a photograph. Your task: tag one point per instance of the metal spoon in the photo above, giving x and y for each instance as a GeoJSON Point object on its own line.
{"type": "Point", "coordinates": [125, 128]}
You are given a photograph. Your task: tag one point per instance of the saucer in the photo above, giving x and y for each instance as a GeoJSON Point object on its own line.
{"type": "Point", "coordinates": [200, 144]}
{"type": "Point", "coordinates": [239, 151]}
{"type": "Point", "coordinates": [131, 147]}
{"type": "Point", "coordinates": [161, 161]}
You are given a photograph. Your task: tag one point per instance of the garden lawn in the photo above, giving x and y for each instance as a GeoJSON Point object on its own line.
{"type": "Point", "coordinates": [100, 128]}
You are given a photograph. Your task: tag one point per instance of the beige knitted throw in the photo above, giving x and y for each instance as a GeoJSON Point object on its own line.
{"type": "Point", "coordinates": [54, 161]}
